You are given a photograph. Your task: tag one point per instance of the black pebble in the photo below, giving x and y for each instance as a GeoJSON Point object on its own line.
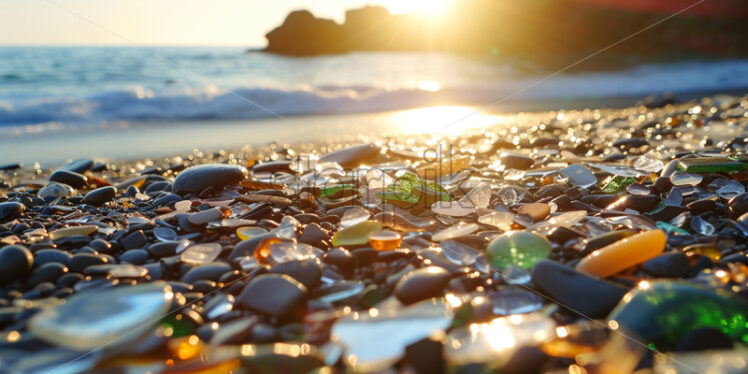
{"type": "Point", "coordinates": [15, 263]}
{"type": "Point", "coordinates": [70, 178]}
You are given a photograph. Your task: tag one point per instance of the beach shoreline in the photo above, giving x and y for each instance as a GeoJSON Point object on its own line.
{"type": "Point", "coordinates": [125, 141]}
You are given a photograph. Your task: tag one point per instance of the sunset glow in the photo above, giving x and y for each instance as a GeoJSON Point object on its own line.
{"type": "Point", "coordinates": [429, 8]}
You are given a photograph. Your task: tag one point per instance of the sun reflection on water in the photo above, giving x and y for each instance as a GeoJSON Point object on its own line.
{"type": "Point", "coordinates": [447, 119]}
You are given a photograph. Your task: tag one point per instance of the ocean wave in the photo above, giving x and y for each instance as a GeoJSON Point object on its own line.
{"type": "Point", "coordinates": [258, 102]}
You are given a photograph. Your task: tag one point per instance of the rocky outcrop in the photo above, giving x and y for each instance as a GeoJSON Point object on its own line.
{"type": "Point", "coordinates": [302, 34]}
{"type": "Point", "coordinates": [551, 34]}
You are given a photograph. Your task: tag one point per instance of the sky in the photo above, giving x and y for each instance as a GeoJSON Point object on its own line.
{"type": "Point", "coordinates": [160, 22]}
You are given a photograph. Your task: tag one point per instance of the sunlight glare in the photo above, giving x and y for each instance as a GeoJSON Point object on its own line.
{"type": "Point", "coordinates": [429, 8]}
{"type": "Point", "coordinates": [443, 119]}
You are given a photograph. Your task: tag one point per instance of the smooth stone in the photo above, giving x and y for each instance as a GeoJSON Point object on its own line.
{"type": "Point", "coordinates": [212, 272]}
{"type": "Point", "coordinates": [272, 167]}
{"type": "Point", "coordinates": [80, 261]}
{"type": "Point", "coordinates": [10, 210]}
{"type": "Point", "coordinates": [197, 178]}
{"type": "Point", "coordinates": [247, 247]}
{"type": "Point", "coordinates": [15, 263]}
{"type": "Point", "coordinates": [134, 240]}
{"type": "Point", "coordinates": [70, 178]}
{"type": "Point", "coordinates": [203, 217]}
{"type": "Point", "coordinates": [78, 166]}
{"type": "Point", "coordinates": [352, 157]}
{"type": "Point", "coordinates": [341, 258]}
{"type": "Point", "coordinates": [624, 253]}
{"type": "Point", "coordinates": [701, 206]}
{"type": "Point", "coordinates": [516, 161]}
{"type": "Point", "coordinates": [538, 211]}
{"type": "Point", "coordinates": [276, 295]}
{"type": "Point", "coordinates": [49, 272]}
{"type": "Point", "coordinates": [167, 199]}
{"type": "Point", "coordinates": [639, 203]}
{"type": "Point", "coordinates": [357, 234]}
{"type": "Point", "coordinates": [423, 283]}
{"type": "Point", "coordinates": [44, 256]}
{"type": "Point", "coordinates": [664, 312]}
{"type": "Point", "coordinates": [106, 317]}
{"type": "Point", "coordinates": [518, 248]}
{"type": "Point", "coordinates": [737, 206]}
{"type": "Point", "coordinates": [313, 234]}
{"type": "Point", "coordinates": [54, 190]}
{"type": "Point", "coordinates": [580, 293]}
{"type": "Point", "coordinates": [134, 256]}
{"type": "Point", "coordinates": [306, 272]}
{"type": "Point", "coordinates": [100, 196]}
{"type": "Point", "coordinates": [670, 265]}
{"type": "Point", "coordinates": [73, 231]}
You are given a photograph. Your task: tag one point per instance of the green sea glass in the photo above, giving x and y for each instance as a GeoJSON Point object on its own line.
{"type": "Point", "coordinates": [519, 248]}
{"type": "Point", "coordinates": [357, 234]}
{"type": "Point", "coordinates": [668, 228]}
{"type": "Point", "coordinates": [664, 312]}
{"type": "Point", "coordinates": [332, 190]}
{"type": "Point", "coordinates": [710, 165]}
{"type": "Point", "coordinates": [412, 190]}
{"type": "Point", "coordinates": [618, 184]}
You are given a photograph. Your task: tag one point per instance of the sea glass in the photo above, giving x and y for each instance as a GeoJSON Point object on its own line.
{"type": "Point", "coordinates": [399, 222]}
{"type": "Point", "coordinates": [685, 179]}
{"type": "Point", "coordinates": [385, 240]}
{"type": "Point", "coordinates": [376, 339]}
{"type": "Point", "coordinates": [710, 164]}
{"type": "Point", "coordinates": [709, 250]}
{"type": "Point", "coordinates": [730, 190]}
{"type": "Point", "coordinates": [509, 300]}
{"type": "Point", "coordinates": [624, 253]}
{"type": "Point", "coordinates": [519, 248]}
{"type": "Point", "coordinates": [663, 312]}
{"type": "Point", "coordinates": [511, 195]}
{"type": "Point", "coordinates": [353, 216]}
{"type": "Point", "coordinates": [670, 228]}
{"type": "Point", "coordinates": [637, 189]}
{"type": "Point", "coordinates": [357, 234]}
{"type": "Point", "coordinates": [579, 175]}
{"type": "Point", "coordinates": [248, 232]}
{"type": "Point", "coordinates": [458, 253]}
{"type": "Point", "coordinates": [452, 208]}
{"type": "Point", "coordinates": [94, 319]}
{"type": "Point", "coordinates": [496, 341]}
{"type": "Point", "coordinates": [199, 254]}
{"type": "Point", "coordinates": [648, 164]}
{"type": "Point", "coordinates": [455, 231]}
{"type": "Point", "coordinates": [619, 170]}
{"type": "Point", "coordinates": [618, 184]}
{"type": "Point", "coordinates": [501, 220]}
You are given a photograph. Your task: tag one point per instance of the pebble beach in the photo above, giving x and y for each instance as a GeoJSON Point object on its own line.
{"type": "Point", "coordinates": [578, 241]}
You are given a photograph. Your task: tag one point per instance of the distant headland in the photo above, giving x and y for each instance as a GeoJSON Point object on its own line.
{"type": "Point", "coordinates": [548, 33]}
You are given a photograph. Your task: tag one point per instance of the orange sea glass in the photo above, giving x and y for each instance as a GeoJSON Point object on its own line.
{"type": "Point", "coordinates": [624, 254]}
{"type": "Point", "coordinates": [385, 240]}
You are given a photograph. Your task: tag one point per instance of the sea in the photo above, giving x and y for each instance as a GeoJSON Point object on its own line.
{"type": "Point", "coordinates": [46, 90]}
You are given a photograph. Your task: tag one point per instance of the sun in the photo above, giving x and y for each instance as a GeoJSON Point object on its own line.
{"type": "Point", "coordinates": [428, 8]}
